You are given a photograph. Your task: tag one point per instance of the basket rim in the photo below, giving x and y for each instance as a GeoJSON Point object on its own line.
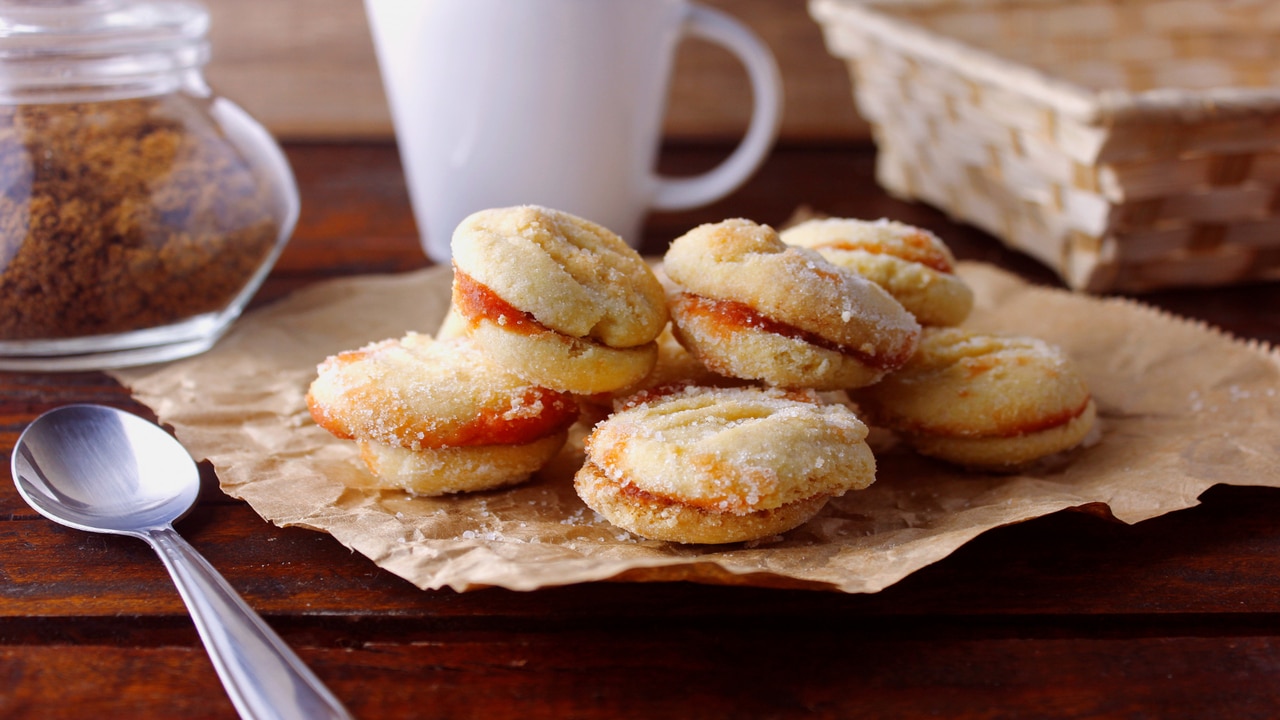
{"type": "Point", "coordinates": [1093, 107]}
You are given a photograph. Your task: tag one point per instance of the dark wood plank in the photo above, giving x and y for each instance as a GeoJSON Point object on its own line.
{"type": "Point", "coordinates": [654, 671]}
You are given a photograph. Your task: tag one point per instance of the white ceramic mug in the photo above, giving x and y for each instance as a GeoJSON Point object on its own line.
{"type": "Point", "coordinates": [552, 102]}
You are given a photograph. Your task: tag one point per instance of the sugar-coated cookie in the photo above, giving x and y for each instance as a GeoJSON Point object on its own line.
{"type": "Point", "coordinates": [983, 401]}
{"type": "Point", "coordinates": [415, 402]}
{"type": "Point", "coordinates": [416, 392]}
{"type": "Point", "coordinates": [749, 306]}
{"type": "Point", "coordinates": [559, 300]}
{"type": "Point", "coordinates": [913, 264]}
{"type": "Point", "coordinates": [441, 471]}
{"type": "Point", "coordinates": [720, 465]}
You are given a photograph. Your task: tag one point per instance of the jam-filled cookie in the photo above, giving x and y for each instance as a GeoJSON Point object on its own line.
{"type": "Point", "coordinates": [720, 465]}
{"type": "Point", "coordinates": [749, 306]}
{"type": "Point", "coordinates": [913, 264]}
{"type": "Point", "coordinates": [438, 416]}
{"type": "Point", "coordinates": [556, 299]}
{"type": "Point", "coordinates": [447, 470]}
{"type": "Point", "coordinates": [983, 401]}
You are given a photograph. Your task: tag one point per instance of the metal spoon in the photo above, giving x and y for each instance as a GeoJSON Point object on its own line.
{"type": "Point", "coordinates": [101, 469]}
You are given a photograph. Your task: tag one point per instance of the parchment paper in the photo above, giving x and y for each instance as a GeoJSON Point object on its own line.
{"type": "Point", "coordinates": [1182, 407]}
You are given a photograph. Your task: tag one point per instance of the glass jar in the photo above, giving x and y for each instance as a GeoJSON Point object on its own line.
{"type": "Point", "coordinates": [139, 211]}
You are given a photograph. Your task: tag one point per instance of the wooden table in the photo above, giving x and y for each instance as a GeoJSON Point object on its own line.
{"type": "Point", "coordinates": [1066, 616]}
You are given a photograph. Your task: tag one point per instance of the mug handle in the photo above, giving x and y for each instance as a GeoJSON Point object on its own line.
{"type": "Point", "coordinates": [766, 114]}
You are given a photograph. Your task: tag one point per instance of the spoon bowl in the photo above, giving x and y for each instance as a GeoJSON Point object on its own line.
{"type": "Point", "coordinates": [101, 469]}
{"type": "Point", "coordinates": [79, 465]}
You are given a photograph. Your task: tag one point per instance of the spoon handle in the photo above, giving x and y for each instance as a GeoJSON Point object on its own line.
{"type": "Point", "coordinates": [263, 676]}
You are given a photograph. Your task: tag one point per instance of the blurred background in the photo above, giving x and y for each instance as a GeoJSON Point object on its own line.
{"type": "Point", "coordinates": [306, 69]}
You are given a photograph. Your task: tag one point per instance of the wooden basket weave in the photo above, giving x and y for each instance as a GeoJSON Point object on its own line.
{"type": "Point", "coordinates": [1128, 144]}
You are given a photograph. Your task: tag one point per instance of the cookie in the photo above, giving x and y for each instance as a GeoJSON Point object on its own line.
{"type": "Point", "coordinates": [722, 465]}
{"type": "Point", "coordinates": [416, 392]}
{"type": "Point", "coordinates": [556, 299]}
{"type": "Point", "coordinates": [414, 400]}
{"type": "Point", "coordinates": [749, 306]}
{"type": "Point", "coordinates": [447, 470]}
{"type": "Point", "coordinates": [911, 263]}
{"type": "Point", "coordinates": [983, 401]}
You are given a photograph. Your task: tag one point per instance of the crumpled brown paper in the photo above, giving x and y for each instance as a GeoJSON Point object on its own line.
{"type": "Point", "coordinates": [1182, 407]}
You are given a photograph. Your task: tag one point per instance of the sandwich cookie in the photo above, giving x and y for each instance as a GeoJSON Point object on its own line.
{"type": "Point", "coordinates": [558, 300]}
{"type": "Point", "coordinates": [983, 401]}
{"type": "Point", "coordinates": [435, 417]}
{"type": "Point", "coordinates": [749, 306]}
{"type": "Point", "coordinates": [911, 263]}
{"type": "Point", "coordinates": [720, 465]}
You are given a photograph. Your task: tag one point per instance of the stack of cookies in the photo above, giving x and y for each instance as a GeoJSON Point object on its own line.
{"type": "Point", "coordinates": [983, 402]}
{"type": "Point", "coordinates": [438, 416]}
{"type": "Point", "coordinates": [723, 399]}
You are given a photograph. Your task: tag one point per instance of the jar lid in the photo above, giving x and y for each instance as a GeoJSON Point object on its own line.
{"type": "Point", "coordinates": [63, 50]}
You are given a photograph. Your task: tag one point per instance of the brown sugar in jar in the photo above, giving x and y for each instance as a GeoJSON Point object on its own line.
{"type": "Point", "coordinates": [121, 216]}
{"type": "Point", "coordinates": [139, 210]}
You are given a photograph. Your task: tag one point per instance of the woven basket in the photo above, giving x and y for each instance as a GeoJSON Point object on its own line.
{"type": "Point", "coordinates": [1129, 144]}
